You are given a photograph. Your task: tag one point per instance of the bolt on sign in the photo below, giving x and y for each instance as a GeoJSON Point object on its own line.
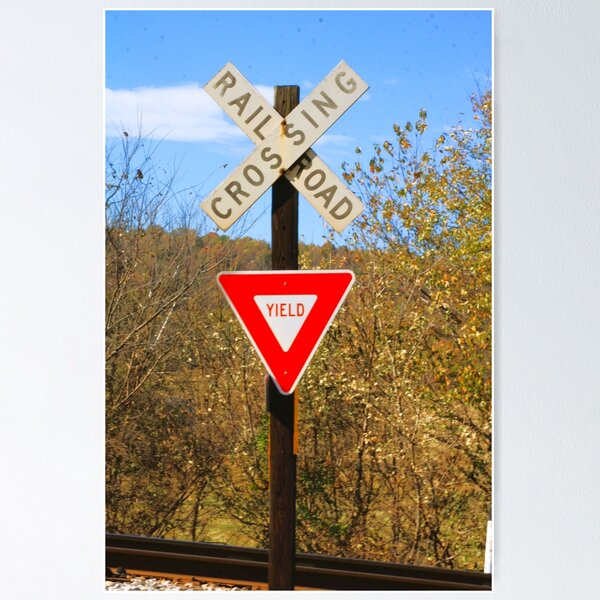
{"type": "Point", "coordinates": [283, 146]}
{"type": "Point", "coordinates": [285, 315]}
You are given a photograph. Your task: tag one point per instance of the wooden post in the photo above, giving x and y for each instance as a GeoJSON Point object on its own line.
{"type": "Point", "coordinates": [281, 407]}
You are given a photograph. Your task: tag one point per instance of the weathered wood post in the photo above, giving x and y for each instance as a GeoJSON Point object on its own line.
{"type": "Point", "coordinates": [278, 149]}
{"type": "Point", "coordinates": [281, 407]}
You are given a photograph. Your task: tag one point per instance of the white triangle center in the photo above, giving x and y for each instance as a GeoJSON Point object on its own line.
{"type": "Point", "coordinates": [285, 314]}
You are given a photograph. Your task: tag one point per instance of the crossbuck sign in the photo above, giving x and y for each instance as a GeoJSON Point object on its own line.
{"type": "Point", "coordinates": [283, 146]}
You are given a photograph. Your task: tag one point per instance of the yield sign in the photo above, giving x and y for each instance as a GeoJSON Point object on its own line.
{"type": "Point", "coordinates": [285, 315]}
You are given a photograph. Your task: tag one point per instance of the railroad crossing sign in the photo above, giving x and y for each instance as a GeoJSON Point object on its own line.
{"type": "Point", "coordinates": [285, 315]}
{"type": "Point", "coordinates": [283, 146]}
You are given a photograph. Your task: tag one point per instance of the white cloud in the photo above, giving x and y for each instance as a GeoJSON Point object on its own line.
{"type": "Point", "coordinates": [334, 148]}
{"type": "Point", "coordinates": [332, 139]}
{"type": "Point", "coordinates": [186, 113]}
{"type": "Point", "coordinates": [178, 113]}
{"type": "Point", "coordinates": [268, 91]}
{"type": "Point", "coordinates": [183, 113]}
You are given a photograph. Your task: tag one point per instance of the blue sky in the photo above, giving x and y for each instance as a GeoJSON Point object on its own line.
{"type": "Point", "coordinates": [158, 61]}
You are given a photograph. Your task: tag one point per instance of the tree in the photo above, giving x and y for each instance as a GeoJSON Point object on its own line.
{"type": "Point", "coordinates": [395, 408]}
{"type": "Point", "coordinates": [158, 454]}
{"type": "Point", "coordinates": [397, 402]}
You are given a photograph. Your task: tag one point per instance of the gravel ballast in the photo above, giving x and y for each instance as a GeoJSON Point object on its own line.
{"type": "Point", "coordinates": [154, 584]}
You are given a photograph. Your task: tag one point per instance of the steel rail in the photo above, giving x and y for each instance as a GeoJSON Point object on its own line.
{"type": "Point", "coordinates": [232, 563]}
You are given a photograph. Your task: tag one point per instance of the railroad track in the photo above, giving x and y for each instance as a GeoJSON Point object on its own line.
{"type": "Point", "coordinates": [219, 562]}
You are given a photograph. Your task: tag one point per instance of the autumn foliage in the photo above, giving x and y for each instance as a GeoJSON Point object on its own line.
{"type": "Point", "coordinates": [395, 408]}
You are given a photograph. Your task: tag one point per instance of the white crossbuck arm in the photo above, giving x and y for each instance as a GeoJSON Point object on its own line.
{"type": "Point", "coordinates": [284, 143]}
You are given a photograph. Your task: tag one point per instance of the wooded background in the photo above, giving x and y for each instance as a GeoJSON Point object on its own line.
{"type": "Point", "coordinates": [394, 458]}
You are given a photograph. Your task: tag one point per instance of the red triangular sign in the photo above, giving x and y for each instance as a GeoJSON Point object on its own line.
{"type": "Point", "coordinates": [285, 315]}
